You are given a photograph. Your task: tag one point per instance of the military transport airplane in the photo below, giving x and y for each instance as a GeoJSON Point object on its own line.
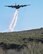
{"type": "Point", "coordinates": [16, 6]}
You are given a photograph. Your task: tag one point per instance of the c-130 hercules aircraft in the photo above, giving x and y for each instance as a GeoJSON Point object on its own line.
{"type": "Point", "coordinates": [16, 6]}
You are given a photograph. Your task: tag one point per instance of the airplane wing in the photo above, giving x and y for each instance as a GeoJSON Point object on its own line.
{"type": "Point", "coordinates": [10, 6]}
{"type": "Point", "coordinates": [25, 5]}
{"type": "Point", "coordinates": [22, 5]}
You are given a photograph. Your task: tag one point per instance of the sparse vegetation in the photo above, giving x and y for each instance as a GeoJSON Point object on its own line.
{"type": "Point", "coordinates": [16, 37]}
{"type": "Point", "coordinates": [32, 40]}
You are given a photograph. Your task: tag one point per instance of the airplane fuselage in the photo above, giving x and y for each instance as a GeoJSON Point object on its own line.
{"type": "Point", "coordinates": [17, 7]}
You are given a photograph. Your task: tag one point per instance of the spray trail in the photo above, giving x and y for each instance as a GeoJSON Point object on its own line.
{"type": "Point", "coordinates": [13, 23]}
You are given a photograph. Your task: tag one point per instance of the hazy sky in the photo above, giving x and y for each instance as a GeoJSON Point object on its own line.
{"type": "Point", "coordinates": [29, 17]}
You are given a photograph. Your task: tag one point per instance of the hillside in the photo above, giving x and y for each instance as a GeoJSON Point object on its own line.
{"type": "Point", "coordinates": [22, 42]}
{"type": "Point", "coordinates": [16, 37]}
